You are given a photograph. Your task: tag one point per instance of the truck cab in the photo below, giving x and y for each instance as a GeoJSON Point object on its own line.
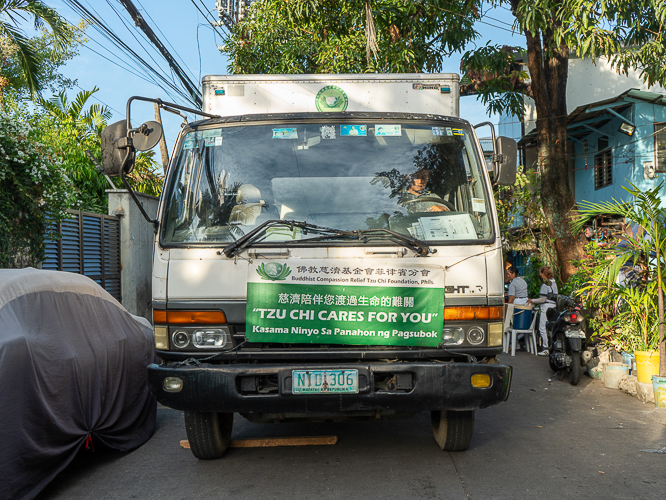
{"type": "Point", "coordinates": [342, 262]}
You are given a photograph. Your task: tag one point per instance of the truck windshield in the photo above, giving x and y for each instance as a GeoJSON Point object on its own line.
{"type": "Point", "coordinates": [422, 180]}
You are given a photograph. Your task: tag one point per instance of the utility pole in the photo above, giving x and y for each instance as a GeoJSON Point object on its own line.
{"type": "Point", "coordinates": [163, 147]}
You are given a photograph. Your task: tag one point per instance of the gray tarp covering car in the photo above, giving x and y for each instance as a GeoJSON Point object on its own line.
{"type": "Point", "coordinates": [72, 368]}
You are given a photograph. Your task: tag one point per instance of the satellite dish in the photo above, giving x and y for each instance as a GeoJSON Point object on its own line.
{"type": "Point", "coordinates": [147, 136]}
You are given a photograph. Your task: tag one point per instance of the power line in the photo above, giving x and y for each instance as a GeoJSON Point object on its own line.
{"type": "Point", "coordinates": [166, 39]}
{"type": "Point", "coordinates": [203, 13]}
{"type": "Point", "coordinates": [174, 91]}
{"type": "Point", "coordinates": [190, 86]}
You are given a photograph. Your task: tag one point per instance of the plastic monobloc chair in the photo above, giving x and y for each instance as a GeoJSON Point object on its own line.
{"type": "Point", "coordinates": [530, 336]}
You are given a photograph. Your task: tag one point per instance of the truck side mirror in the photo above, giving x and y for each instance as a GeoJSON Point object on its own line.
{"type": "Point", "coordinates": [117, 150]}
{"type": "Point", "coordinates": [505, 161]}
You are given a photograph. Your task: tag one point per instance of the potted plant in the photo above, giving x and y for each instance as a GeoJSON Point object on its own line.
{"type": "Point", "coordinates": [635, 273]}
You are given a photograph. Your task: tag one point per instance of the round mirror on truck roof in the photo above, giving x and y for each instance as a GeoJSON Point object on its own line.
{"type": "Point", "coordinates": [147, 136]}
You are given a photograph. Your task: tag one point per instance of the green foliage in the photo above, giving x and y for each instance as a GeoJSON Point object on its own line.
{"type": "Point", "coordinates": [631, 313]}
{"type": "Point", "coordinates": [29, 63]}
{"type": "Point", "coordinates": [72, 129]}
{"type": "Point", "coordinates": [524, 226]}
{"type": "Point", "coordinates": [146, 178]}
{"type": "Point", "coordinates": [337, 36]}
{"type": "Point", "coordinates": [34, 189]}
{"type": "Point", "coordinates": [497, 77]}
{"type": "Point", "coordinates": [629, 32]}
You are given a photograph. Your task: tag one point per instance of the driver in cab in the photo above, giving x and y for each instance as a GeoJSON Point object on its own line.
{"type": "Point", "coordinates": [417, 198]}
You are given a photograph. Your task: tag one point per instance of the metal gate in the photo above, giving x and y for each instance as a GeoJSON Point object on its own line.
{"type": "Point", "coordinates": [90, 245]}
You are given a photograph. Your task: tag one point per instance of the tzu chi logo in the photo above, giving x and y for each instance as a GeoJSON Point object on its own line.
{"type": "Point", "coordinates": [273, 271]}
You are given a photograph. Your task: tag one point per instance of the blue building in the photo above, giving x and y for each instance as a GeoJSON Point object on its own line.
{"type": "Point", "coordinates": [612, 143]}
{"type": "Point", "coordinates": [618, 141]}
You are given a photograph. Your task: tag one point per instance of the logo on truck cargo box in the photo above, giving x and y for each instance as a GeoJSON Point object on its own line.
{"type": "Point", "coordinates": [331, 98]}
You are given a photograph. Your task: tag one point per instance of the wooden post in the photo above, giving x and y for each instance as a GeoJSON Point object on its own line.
{"type": "Point", "coordinates": [163, 146]}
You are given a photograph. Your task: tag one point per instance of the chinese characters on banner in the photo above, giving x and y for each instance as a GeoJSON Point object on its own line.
{"type": "Point", "coordinates": [366, 302]}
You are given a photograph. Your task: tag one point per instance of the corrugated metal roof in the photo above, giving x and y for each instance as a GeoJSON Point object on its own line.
{"type": "Point", "coordinates": [648, 96]}
{"type": "Point", "coordinates": [486, 144]}
{"type": "Point", "coordinates": [602, 116]}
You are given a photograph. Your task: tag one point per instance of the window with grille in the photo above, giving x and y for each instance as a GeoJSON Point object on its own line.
{"type": "Point", "coordinates": [660, 147]}
{"type": "Point", "coordinates": [603, 164]}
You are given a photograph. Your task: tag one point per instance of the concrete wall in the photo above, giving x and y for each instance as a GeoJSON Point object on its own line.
{"type": "Point", "coordinates": [629, 153]}
{"type": "Point", "coordinates": [136, 249]}
{"type": "Point", "coordinates": [591, 81]}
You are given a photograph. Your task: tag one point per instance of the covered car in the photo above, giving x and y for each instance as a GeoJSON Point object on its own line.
{"type": "Point", "coordinates": [72, 373]}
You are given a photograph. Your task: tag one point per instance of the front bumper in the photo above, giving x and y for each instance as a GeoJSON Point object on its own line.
{"type": "Point", "coordinates": [432, 386]}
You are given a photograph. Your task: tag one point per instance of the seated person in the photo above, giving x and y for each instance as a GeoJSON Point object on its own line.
{"type": "Point", "coordinates": [416, 198]}
{"type": "Point", "coordinates": [248, 205]}
{"type": "Point", "coordinates": [517, 288]}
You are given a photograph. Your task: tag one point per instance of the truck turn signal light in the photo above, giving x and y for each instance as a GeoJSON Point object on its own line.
{"type": "Point", "coordinates": [471, 313]}
{"type": "Point", "coordinates": [189, 317]}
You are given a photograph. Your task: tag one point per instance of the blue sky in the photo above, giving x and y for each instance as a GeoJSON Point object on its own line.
{"type": "Point", "coordinates": [180, 24]}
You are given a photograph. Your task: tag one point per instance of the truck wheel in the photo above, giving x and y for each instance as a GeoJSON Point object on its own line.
{"type": "Point", "coordinates": [453, 429]}
{"type": "Point", "coordinates": [574, 374]}
{"type": "Point", "coordinates": [209, 433]}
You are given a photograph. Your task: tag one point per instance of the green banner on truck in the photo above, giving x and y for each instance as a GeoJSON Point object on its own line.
{"type": "Point", "coordinates": [364, 302]}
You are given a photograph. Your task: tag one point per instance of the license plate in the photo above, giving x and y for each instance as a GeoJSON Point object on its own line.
{"type": "Point", "coordinates": [324, 381]}
{"type": "Point", "coordinates": [575, 334]}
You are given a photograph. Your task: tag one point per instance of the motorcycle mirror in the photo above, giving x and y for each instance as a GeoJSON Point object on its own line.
{"type": "Point", "coordinates": [147, 136]}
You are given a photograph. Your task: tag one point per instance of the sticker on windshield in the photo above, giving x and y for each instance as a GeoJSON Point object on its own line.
{"type": "Point", "coordinates": [212, 133]}
{"type": "Point", "coordinates": [190, 141]}
{"type": "Point", "coordinates": [353, 130]}
{"type": "Point", "coordinates": [327, 131]}
{"type": "Point", "coordinates": [457, 131]}
{"type": "Point", "coordinates": [285, 133]}
{"type": "Point", "coordinates": [209, 141]}
{"type": "Point", "coordinates": [440, 131]}
{"type": "Point", "coordinates": [388, 130]}
{"type": "Point", "coordinates": [478, 205]}
{"type": "Point", "coordinates": [218, 141]}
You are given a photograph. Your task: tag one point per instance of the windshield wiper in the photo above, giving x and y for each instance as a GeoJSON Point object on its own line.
{"type": "Point", "coordinates": [419, 247]}
{"type": "Point", "coordinates": [241, 243]}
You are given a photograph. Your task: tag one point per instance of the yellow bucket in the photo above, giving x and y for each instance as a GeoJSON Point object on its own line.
{"type": "Point", "coordinates": [647, 364]}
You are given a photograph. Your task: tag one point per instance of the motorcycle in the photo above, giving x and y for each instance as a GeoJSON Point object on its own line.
{"type": "Point", "coordinates": [566, 330]}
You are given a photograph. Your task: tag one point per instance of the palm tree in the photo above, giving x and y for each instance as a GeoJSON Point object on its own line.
{"type": "Point", "coordinates": [86, 123]}
{"type": "Point", "coordinates": [15, 12]}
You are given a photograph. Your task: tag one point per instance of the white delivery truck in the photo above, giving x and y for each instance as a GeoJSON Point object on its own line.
{"type": "Point", "coordinates": [326, 248]}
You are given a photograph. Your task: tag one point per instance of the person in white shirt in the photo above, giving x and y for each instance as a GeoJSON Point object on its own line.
{"type": "Point", "coordinates": [517, 288]}
{"type": "Point", "coordinates": [549, 286]}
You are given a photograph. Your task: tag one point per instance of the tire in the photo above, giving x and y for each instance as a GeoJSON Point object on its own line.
{"type": "Point", "coordinates": [453, 429]}
{"type": "Point", "coordinates": [574, 374]}
{"type": "Point", "coordinates": [209, 433]}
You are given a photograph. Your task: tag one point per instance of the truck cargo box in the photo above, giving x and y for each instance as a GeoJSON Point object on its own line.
{"type": "Point", "coordinates": [231, 95]}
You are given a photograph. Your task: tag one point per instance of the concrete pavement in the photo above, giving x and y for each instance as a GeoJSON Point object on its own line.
{"type": "Point", "coordinates": [549, 440]}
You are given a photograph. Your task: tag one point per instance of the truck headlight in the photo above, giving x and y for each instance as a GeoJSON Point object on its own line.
{"type": "Point", "coordinates": [196, 338]}
{"type": "Point", "coordinates": [209, 338]}
{"type": "Point", "coordinates": [453, 336]}
{"type": "Point", "coordinates": [475, 335]}
{"type": "Point", "coordinates": [180, 339]}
